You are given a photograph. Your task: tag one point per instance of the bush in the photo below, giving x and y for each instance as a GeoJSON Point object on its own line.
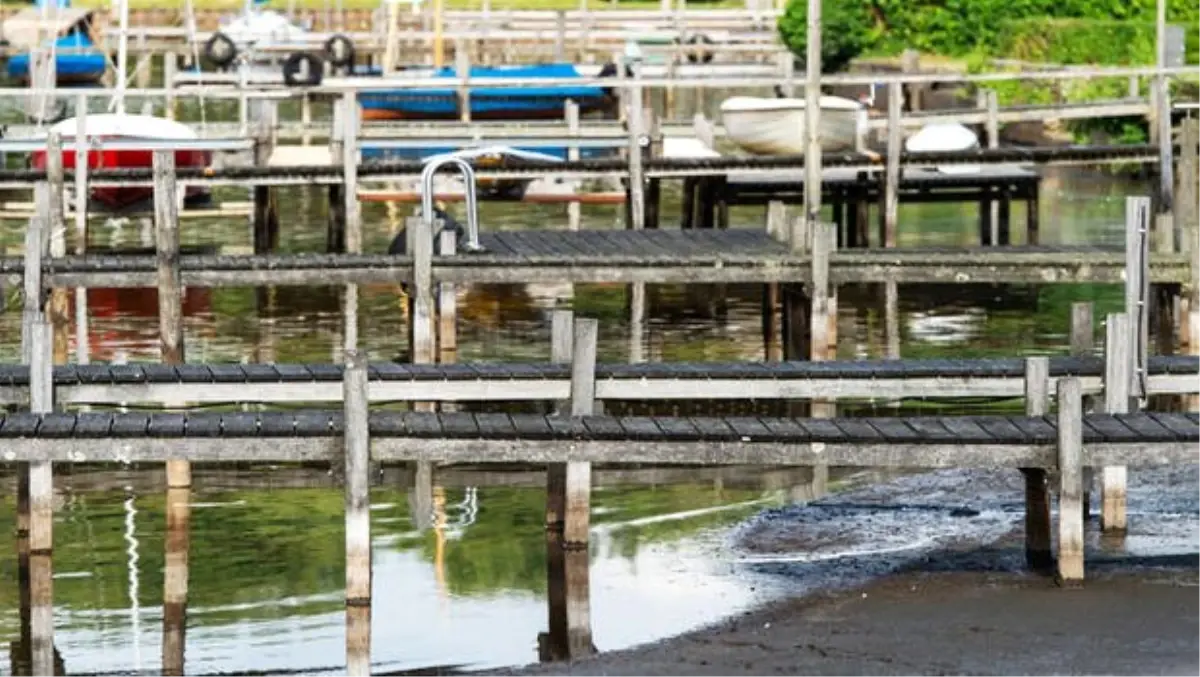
{"type": "Point", "coordinates": [847, 29]}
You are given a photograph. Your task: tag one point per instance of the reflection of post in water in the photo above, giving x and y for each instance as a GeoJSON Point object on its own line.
{"type": "Point", "coordinates": [439, 546]}
{"type": "Point", "coordinates": [568, 599]}
{"type": "Point", "coordinates": [20, 650]}
{"type": "Point", "coordinates": [175, 581]}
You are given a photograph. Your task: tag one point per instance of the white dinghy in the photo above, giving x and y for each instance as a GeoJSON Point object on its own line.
{"type": "Point", "coordinates": [767, 126]}
{"type": "Point", "coordinates": [948, 136]}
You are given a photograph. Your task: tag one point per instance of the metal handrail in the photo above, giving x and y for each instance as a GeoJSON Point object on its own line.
{"type": "Point", "coordinates": [435, 163]}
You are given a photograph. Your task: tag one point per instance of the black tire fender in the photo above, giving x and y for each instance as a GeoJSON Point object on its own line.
{"type": "Point", "coordinates": [339, 51]}
{"type": "Point", "coordinates": [292, 76]}
{"type": "Point", "coordinates": [220, 50]}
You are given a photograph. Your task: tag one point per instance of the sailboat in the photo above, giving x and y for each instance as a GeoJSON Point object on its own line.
{"type": "Point", "coordinates": [121, 126]}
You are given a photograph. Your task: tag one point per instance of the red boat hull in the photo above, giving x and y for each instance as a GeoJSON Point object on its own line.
{"type": "Point", "coordinates": [120, 197]}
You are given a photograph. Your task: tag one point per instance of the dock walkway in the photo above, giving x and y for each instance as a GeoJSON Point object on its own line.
{"type": "Point", "coordinates": [652, 256]}
{"type": "Point", "coordinates": [177, 385]}
{"type": "Point", "coordinates": [931, 441]}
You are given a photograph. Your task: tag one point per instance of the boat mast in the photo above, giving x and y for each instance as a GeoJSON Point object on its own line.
{"type": "Point", "coordinates": [122, 54]}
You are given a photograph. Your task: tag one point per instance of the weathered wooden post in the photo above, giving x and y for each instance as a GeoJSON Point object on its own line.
{"type": "Point", "coordinates": [571, 112]}
{"type": "Point", "coordinates": [777, 228]}
{"type": "Point", "coordinates": [1070, 475]}
{"type": "Point", "coordinates": [1164, 219]}
{"type": "Point", "coordinates": [1083, 343]}
{"type": "Point", "coordinates": [58, 309]}
{"type": "Point", "coordinates": [335, 234]}
{"type": "Point", "coordinates": [36, 479]}
{"type": "Point", "coordinates": [1118, 359]}
{"type": "Point", "coordinates": [576, 513]}
{"type": "Point", "coordinates": [562, 338]}
{"type": "Point", "coordinates": [823, 344]}
{"type": "Point", "coordinates": [637, 137]}
{"type": "Point", "coordinates": [1188, 215]}
{"type": "Point", "coordinates": [1038, 555]}
{"type": "Point", "coordinates": [421, 318]}
{"type": "Point", "coordinates": [1137, 288]}
{"type": "Point", "coordinates": [447, 307]}
{"type": "Point", "coordinates": [82, 340]}
{"type": "Point", "coordinates": [170, 67]}
{"type": "Point", "coordinates": [462, 70]}
{"type": "Point", "coordinates": [891, 181]}
{"type": "Point", "coordinates": [997, 221]}
{"type": "Point", "coordinates": [358, 508]}
{"type": "Point", "coordinates": [179, 471]}
{"type": "Point", "coordinates": [265, 115]}
{"type": "Point", "coordinates": [349, 159]}
{"type": "Point", "coordinates": [568, 601]}
{"type": "Point", "coordinates": [812, 115]}
{"type": "Point", "coordinates": [175, 580]}
{"type": "Point", "coordinates": [166, 221]}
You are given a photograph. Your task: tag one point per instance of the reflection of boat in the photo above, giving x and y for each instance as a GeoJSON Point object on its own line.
{"type": "Point", "coordinates": [118, 317]}
{"type": "Point", "coordinates": [948, 136]}
{"type": "Point", "coordinates": [767, 126]}
{"type": "Point", "coordinates": [76, 58]}
{"type": "Point", "coordinates": [487, 103]}
{"type": "Point", "coordinates": [125, 127]}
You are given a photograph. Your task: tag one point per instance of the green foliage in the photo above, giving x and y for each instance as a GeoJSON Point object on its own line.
{"type": "Point", "coordinates": [847, 29]}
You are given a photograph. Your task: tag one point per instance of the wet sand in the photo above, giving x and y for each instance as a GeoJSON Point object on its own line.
{"type": "Point", "coordinates": [944, 623]}
{"type": "Point", "coordinates": [926, 575]}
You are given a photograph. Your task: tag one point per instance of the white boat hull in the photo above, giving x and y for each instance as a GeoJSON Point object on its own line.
{"type": "Point", "coordinates": [776, 126]}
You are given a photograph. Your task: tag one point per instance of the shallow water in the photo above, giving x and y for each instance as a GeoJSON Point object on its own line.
{"type": "Point", "coordinates": [266, 567]}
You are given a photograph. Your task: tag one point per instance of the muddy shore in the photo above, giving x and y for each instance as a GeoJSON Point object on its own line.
{"type": "Point", "coordinates": [943, 590]}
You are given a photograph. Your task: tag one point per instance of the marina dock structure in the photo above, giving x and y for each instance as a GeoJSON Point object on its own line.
{"type": "Point", "coordinates": [1081, 413]}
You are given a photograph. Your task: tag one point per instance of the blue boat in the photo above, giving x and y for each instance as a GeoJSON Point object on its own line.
{"type": "Point", "coordinates": [76, 61]}
{"type": "Point", "coordinates": [487, 103]}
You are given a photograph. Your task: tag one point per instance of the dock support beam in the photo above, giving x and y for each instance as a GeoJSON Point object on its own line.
{"type": "Point", "coordinates": [358, 524]}
{"type": "Point", "coordinates": [1117, 360]}
{"type": "Point", "coordinates": [1070, 474]}
{"type": "Point", "coordinates": [1188, 223]}
{"type": "Point", "coordinates": [569, 488]}
{"type": "Point", "coordinates": [1038, 555]}
{"type": "Point", "coordinates": [179, 472]}
{"type": "Point", "coordinates": [1083, 343]}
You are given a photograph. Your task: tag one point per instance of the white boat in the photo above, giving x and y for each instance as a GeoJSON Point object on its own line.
{"type": "Point", "coordinates": [766, 126]}
{"type": "Point", "coordinates": [948, 136]}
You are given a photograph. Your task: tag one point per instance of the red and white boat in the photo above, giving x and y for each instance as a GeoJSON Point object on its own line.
{"type": "Point", "coordinates": [125, 127]}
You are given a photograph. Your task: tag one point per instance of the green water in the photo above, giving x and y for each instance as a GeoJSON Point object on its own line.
{"type": "Point", "coordinates": [266, 567]}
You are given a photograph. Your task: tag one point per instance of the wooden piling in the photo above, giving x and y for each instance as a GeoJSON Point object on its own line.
{"type": "Point", "coordinates": [1083, 343]}
{"type": "Point", "coordinates": [169, 284]}
{"type": "Point", "coordinates": [421, 316]}
{"type": "Point", "coordinates": [462, 69]}
{"type": "Point", "coordinates": [577, 508]}
{"type": "Point", "coordinates": [1117, 377]}
{"type": "Point", "coordinates": [1070, 475]}
{"type": "Point", "coordinates": [51, 193]}
{"type": "Point", "coordinates": [812, 115]}
{"type": "Point", "coordinates": [358, 524]}
{"type": "Point", "coordinates": [1038, 555]}
{"type": "Point", "coordinates": [349, 159]}
{"type": "Point", "coordinates": [777, 228]}
{"type": "Point", "coordinates": [568, 602]}
{"type": "Point", "coordinates": [1164, 218]}
{"type": "Point", "coordinates": [447, 306]}
{"type": "Point", "coordinates": [571, 112]}
{"type": "Point", "coordinates": [1188, 223]}
{"type": "Point", "coordinates": [175, 580]}
{"type": "Point", "coordinates": [823, 308]}
{"type": "Point", "coordinates": [335, 234]}
{"type": "Point", "coordinates": [1137, 289]}
{"type": "Point", "coordinates": [266, 210]}
{"type": "Point", "coordinates": [170, 67]}
{"type": "Point", "coordinates": [41, 508]}
{"type": "Point", "coordinates": [891, 184]}
{"type": "Point", "coordinates": [637, 136]}
{"type": "Point", "coordinates": [562, 338]}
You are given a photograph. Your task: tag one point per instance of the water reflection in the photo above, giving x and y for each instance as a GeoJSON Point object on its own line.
{"type": "Point", "coordinates": [476, 584]}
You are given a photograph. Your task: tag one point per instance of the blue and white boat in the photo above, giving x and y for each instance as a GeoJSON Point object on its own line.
{"type": "Point", "coordinates": [487, 103]}
{"type": "Point", "coordinates": [63, 30]}
{"type": "Point", "coordinates": [77, 61]}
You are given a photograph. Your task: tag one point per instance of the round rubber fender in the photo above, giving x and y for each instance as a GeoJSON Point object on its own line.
{"type": "Point", "coordinates": [220, 50]}
{"type": "Point", "coordinates": [292, 76]}
{"type": "Point", "coordinates": [339, 51]}
{"type": "Point", "coordinates": [609, 70]}
{"type": "Point", "coordinates": [703, 55]}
